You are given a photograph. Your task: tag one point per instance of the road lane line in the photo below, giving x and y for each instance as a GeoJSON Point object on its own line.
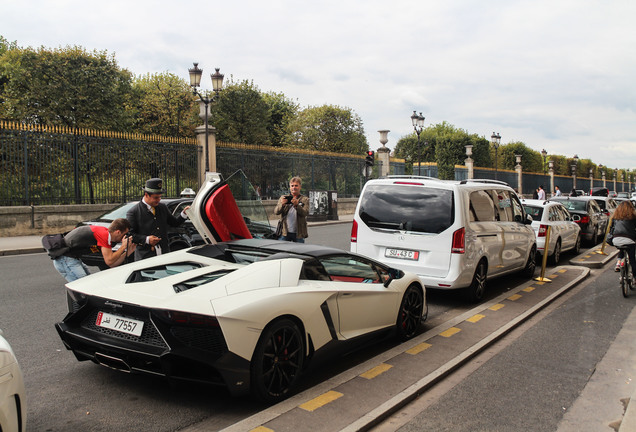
{"type": "Point", "coordinates": [450, 332]}
{"type": "Point", "coordinates": [515, 297]}
{"type": "Point", "coordinates": [475, 318]}
{"type": "Point", "coordinates": [321, 400]}
{"type": "Point", "coordinates": [378, 370]}
{"type": "Point", "coordinates": [419, 348]}
{"type": "Point", "coordinates": [496, 307]}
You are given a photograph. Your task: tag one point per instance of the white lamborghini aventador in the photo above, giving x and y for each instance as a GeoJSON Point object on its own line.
{"type": "Point", "coordinates": [241, 312]}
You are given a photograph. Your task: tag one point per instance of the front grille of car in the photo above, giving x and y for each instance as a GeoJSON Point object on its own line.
{"type": "Point", "coordinates": [207, 339]}
{"type": "Point", "coordinates": [149, 334]}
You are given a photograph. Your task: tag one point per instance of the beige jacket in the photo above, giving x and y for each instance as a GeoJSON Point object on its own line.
{"type": "Point", "coordinates": [302, 210]}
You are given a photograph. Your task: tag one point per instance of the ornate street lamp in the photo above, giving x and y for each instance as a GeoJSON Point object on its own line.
{"type": "Point", "coordinates": [217, 85]}
{"type": "Point", "coordinates": [418, 125]}
{"type": "Point", "coordinates": [496, 140]}
{"type": "Point", "coordinates": [544, 153]}
{"type": "Point", "coordinates": [574, 164]}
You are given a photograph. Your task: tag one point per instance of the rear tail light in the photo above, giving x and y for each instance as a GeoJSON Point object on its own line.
{"type": "Point", "coordinates": [543, 229]}
{"type": "Point", "coordinates": [188, 319]}
{"type": "Point", "coordinates": [354, 232]}
{"type": "Point", "coordinates": [584, 220]}
{"type": "Point", "coordinates": [459, 241]}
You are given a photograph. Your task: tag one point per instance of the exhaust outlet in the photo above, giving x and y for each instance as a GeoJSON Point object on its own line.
{"type": "Point", "coordinates": [112, 362]}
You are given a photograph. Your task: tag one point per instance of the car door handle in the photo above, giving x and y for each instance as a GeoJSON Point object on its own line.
{"type": "Point", "coordinates": [347, 294]}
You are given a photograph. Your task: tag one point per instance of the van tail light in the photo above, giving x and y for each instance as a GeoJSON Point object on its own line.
{"type": "Point", "coordinates": [354, 232]}
{"type": "Point", "coordinates": [584, 220]}
{"type": "Point", "coordinates": [543, 229]}
{"type": "Point", "coordinates": [459, 241]}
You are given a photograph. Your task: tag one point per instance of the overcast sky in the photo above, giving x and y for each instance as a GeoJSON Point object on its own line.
{"type": "Point", "coordinates": [555, 74]}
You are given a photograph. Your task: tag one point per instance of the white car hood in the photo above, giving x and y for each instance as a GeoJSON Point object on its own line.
{"type": "Point", "coordinates": [111, 284]}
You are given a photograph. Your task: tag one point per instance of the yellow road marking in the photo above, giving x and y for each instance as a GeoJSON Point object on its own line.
{"type": "Point", "coordinates": [262, 429]}
{"type": "Point", "coordinates": [321, 400]}
{"type": "Point", "coordinates": [496, 307]}
{"type": "Point", "coordinates": [419, 348]}
{"type": "Point", "coordinates": [529, 289]}
{"type": "Point", "coordinates": [450, 332]}
{"type": "Point", "coordinates": [553, 276]}
{"type": "Point", "coordinates": [475, 318]}
{"type": "Point", "coordinates": [372, 373]}
{"type": "Point", "coordinates": [515, 297]}
{"type": "Point", "coordinates": [540, 283]}
{"type": "Point", "coordinates": [562, 270]}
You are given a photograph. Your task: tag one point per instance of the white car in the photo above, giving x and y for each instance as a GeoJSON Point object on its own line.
{"type": "Point", "coordinates": [452, 234]}
{"type": "Point", "coordinates": [12, 392]}
{"type": "Point", "coordinates": [248, 314]}
{"type": "Point", "coordinates": [565, 233]}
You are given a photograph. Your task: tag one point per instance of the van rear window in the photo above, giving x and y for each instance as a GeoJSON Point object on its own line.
{"type": "Point", "coordinates": [416, 209]}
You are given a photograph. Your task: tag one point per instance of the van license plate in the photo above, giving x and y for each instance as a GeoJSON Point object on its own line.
{"type": "Point", "coordinates": [402, 254]}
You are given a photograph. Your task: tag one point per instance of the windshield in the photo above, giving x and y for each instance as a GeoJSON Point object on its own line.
{"type": "Point", "coordinates": [250, 205]}
{"type": "Point", "coordinates": [573, 205]}
{"type": "Point", "coordinates": [117, 212]}
{"type": "Point", "coordinates": [407, 208]}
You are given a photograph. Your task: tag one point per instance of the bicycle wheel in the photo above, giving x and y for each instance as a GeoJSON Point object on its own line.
{"type": "Point", "coordinates": [626, 278]}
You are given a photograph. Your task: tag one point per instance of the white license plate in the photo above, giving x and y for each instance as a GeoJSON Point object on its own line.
{"type": "Point", "coordinates": [402, 254]}
{"type": "Point", "coordinates": [124, 325]}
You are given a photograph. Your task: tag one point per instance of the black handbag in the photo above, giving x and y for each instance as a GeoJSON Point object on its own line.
{"type": "Point", "coordinates": [279, 229]}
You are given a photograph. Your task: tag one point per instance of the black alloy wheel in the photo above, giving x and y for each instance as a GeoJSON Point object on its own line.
{"type": "Point", "coordinates": [531, 265]}
{"type": "Point", "coordinates": [475, 292]}
{"type": "Point", "coordinates": [277, 361]}
{"type": "Point", "coordinates": [556, 255]}
{"type": "Point", "coordinates": [577, 245]}
{"type": "Point", "coordinates": [411, 312]}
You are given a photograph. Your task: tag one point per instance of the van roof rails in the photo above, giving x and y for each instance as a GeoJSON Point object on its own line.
{"type": "Point", "coordinates": [411, 177]}
{"type": "Point", "coordinates": [484, 181]}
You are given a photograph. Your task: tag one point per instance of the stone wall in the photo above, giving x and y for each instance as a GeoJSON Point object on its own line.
{"type": "Point", "coordinates": [39, 220]}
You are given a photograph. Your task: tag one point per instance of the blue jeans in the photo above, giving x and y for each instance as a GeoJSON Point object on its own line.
{"type": "Point", "coordinates": [71, 268]}
{"type": "Point", "coordinates": [292, 238]}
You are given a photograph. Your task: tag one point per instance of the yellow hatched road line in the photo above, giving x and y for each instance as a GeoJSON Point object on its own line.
{"type": "Point", "coordinates": [321, 400]}
{"type": "Point", "coordinates": [515, 297]}
{"type": "Point", "coordinates": [528, 289]}
{"type": "Point", "coordinates": [378, 370]}
{"type": "Point", "coordinates": [496, 307]}
{"type": "Point", "coordinates": [450, 332]}
{"type": "Point", "coordinates": [262, 429]}
{"type": "Point", "coordinates": [419, 348]}
{"type": "Point", "coordinates": [475, 318]}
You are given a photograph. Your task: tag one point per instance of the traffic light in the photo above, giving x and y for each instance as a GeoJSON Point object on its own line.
{"type": "Point", "coordinates": [370, 159]}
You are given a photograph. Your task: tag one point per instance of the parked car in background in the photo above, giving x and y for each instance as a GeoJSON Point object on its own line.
{"type": "Point", "coordinates": [247, 314]}
{"type": "Point", "coordinates": [599, 191]}
{"type": "Point", "coordinates": [565, 233]}
{"type": "Point", "coordinates": [13, 413]}
{"type": "Point", "coordinates": [452, 234]}
{"type": "Point", "coordinates": [623, 195]}
{"type": "Point", "coordinates": [580, 192]}
{"type": "Point", "coordinates": [613, 194]}
{"type": "Point", "coordinates": [593, 221]}
{"type": "Point", "coordinates": [607, 204]}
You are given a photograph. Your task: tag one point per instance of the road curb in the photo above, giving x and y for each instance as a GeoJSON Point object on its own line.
{"type": "Point", "coordinates": [600, 259]}
{"type": "Point", "coordinates": [21, 251]}
{"type": "Point", "coordinates": [400, 400]}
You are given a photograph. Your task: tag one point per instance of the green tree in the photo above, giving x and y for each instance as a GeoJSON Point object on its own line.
{"type": "Point", "coordinates": [282, 111]}
{"type": "Point", "coordinates": [531, 160]}
{"type": "Point", "coordinates": [164, 105]}
{"type": "Point", "coordinates": [328, 128]}
{"type": "Point", "coordinates": [240, 114]}
{"type": "Point", "coordinates": [67, 87]}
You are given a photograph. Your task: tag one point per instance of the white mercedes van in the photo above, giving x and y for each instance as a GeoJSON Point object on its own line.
{"type": "Point", "coordinates": [452, 234]}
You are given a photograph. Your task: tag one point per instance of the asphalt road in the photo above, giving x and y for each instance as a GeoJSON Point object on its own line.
{"type": "Point", "coordinates": [64, 394]}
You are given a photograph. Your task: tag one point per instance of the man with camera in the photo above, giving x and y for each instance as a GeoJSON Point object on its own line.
{"type": "Point", "coordinates": [149, 221]}
{"type": "Point", "coordinates": [90, 238]}
{"type": "Point", "coordinates": [293, 210]}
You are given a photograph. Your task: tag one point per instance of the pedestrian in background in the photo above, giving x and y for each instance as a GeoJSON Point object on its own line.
{"type": "Point", "coordinates": [293, 210]}
{"type": "Point", "coordinates": [149, 221]}
{"type": "Point", "coordinates": [85, 239]}
{"type": "Point", "coordinates": [557, 191]}
{"type": "Point", "coordinates": [541, 193]}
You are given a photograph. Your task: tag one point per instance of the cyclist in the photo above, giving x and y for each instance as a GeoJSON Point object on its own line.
{"type": "Point", "coordinates": [624, 231]}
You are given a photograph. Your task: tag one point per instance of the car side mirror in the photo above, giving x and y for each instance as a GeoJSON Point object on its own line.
{"type": "Point", "coordinates": [393, 274]}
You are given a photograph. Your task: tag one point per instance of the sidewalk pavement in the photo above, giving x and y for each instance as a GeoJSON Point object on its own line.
{"type": "Point", "coordinates": [613, 374]}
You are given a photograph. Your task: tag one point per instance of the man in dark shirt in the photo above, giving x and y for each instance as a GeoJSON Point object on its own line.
{"type": "Point", "coordinates": [149, 221]}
